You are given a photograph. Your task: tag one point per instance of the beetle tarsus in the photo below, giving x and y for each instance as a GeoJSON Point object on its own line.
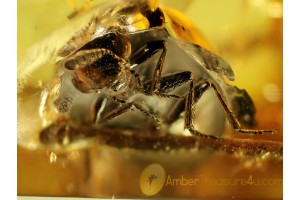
{"type": "Point", "coordinates": [197, 133]}
{"type": "Point", "coordinates": [126, 107]}
{"type": "Point", "coordinates": [254, 132]}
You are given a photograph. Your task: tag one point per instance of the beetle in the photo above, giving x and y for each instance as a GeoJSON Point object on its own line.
{"type": "Point", "coordinates": [124, 66]}
{"type": "Point", "coordinates": [133, 66]}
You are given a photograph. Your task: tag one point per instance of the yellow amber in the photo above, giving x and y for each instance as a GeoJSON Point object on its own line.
{"type": "Point", "coordinates": [184, 28]}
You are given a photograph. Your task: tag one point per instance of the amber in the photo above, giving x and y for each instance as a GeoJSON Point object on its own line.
{"type": "Point", "coordinates": [110, 164]}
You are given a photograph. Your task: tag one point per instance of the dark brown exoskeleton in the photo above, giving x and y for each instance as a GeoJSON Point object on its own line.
{"type": "Point", "coordinates": [149, 79]}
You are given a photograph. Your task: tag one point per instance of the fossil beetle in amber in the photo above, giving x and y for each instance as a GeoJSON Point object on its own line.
{"type": "Point", "coordinates": [137, 66]}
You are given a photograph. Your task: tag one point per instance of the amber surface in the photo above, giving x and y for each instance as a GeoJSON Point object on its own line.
{"type": "Point", "coordinates": [248, 34]}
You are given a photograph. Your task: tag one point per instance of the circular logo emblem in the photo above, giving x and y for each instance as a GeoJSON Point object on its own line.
{"type": "Point", "coordinates": [152, 179]}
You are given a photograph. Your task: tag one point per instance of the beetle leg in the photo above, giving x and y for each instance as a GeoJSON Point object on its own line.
{"type": "Point", "coordinates": [168, 83]}
{"type": "Point", "coordinates": [200, 89]}
{"type": "Point", "coordinates": [146, 52]}
{"type": "Point", "coordinates": [189, 111]}
{"type": "Point", "coordinates": [124, 108]}
{"type": "Point", "coordinates": [137, 78]}
{"type": "Point", "coordinates": [143, 110]}
{"type": "Point", "coordinates": [158, 69]}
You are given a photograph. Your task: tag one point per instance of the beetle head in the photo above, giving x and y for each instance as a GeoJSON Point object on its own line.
{"type": "Point", "coordinates": [105, 69]}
